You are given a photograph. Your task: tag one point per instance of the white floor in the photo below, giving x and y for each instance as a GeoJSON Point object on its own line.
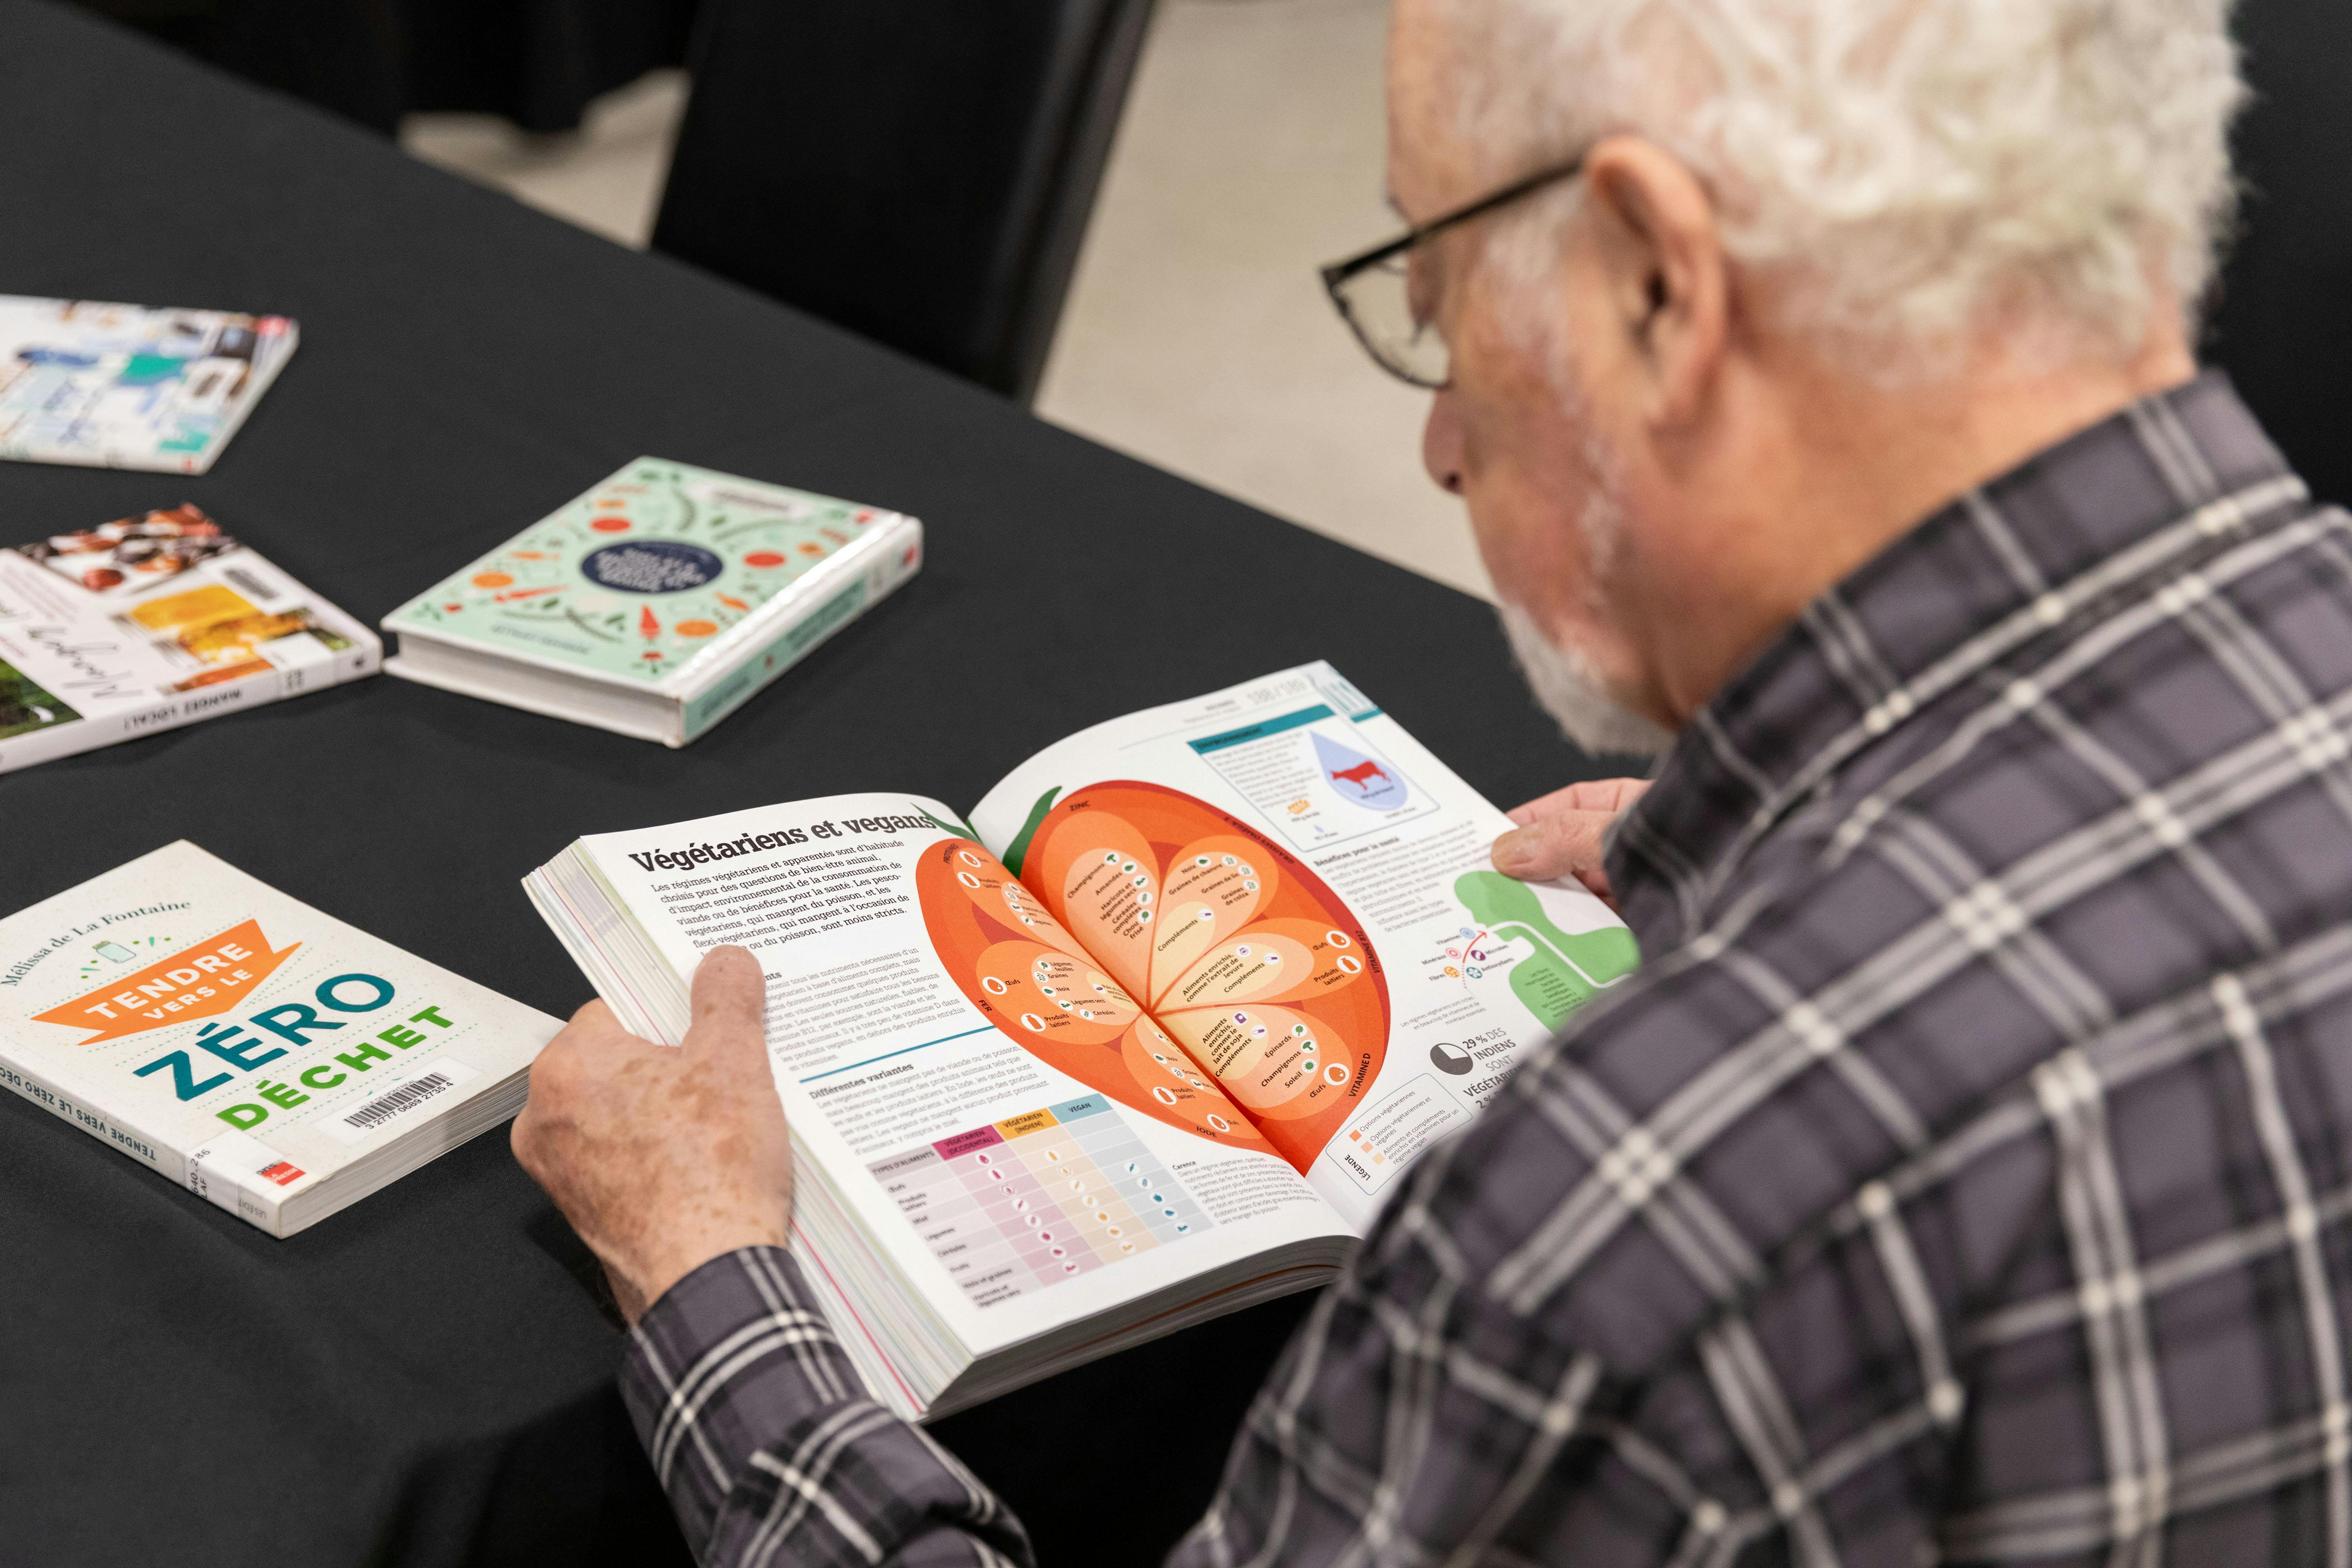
{"type": "Point", "coordinates": [1196, 335]}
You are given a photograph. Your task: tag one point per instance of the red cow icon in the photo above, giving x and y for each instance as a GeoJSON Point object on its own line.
{"type": "Point", "coordinates": [1361, 773]}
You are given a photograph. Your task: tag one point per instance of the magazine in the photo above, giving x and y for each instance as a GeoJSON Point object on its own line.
{"type": "Point", "coordinates": [1151, 1037]}
{"type": "Point", "coordinates": [657, 603]}
{"type": "Point", "coordinates": [275, 1062]}
{"type": "Point", "coordinates": [150, 622]}
{"type": "Point", "coordinates": [120, 386]}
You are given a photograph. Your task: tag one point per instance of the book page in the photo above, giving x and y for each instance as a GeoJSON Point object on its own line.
{"type": "Point", "coordinates": [1032, 1151]}
{"type": "Point", "coordinates": [1302, 896]}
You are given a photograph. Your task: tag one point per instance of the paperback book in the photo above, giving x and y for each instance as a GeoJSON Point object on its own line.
{"type": "Point", "coordinates": [150, 622]}
{"type": "Point", "coordinates": [270, 1059]}
{"type": "Point", "coordinates": [1151, 1037]}
{"type": "Point", "coordinates": [120, 386]}
{"type": "Point", "coordinates": [658, 603]}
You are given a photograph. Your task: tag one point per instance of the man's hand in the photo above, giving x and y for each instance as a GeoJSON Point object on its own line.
{"type": "Point", "coordinates": [663, 1159]}
{"type": "Point", "coordinates": [1559, 835]}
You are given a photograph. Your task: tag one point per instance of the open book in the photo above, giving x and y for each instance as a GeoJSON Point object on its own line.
{"type": "Point", "coordinates": [1150, 1038]}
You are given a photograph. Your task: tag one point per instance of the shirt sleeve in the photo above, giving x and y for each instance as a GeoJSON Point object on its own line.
{"type": "Point", "coordinates": [1414, 1418]}
{"type": "Point", "coordinates": [772, 1453]}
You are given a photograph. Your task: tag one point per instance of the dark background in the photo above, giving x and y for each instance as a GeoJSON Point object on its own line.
{"type": "Point", "coordinates": [536, 62]}
{"type": "Point", "coordinates": [426, 1378]}
{"type": "Point", "coordinates": [2280, 319]}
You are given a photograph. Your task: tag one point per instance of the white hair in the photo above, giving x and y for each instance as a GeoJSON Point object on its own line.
{"type": "Point", "coordinates": [1567, 687]}
{"type": "Point", "coordinates": [1914, 171]}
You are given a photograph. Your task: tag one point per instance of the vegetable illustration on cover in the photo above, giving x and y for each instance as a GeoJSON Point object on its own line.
{"type": "Point", "coordinates": [1158, 922]}
{"type": "Point", "coordinates": [645, 572]}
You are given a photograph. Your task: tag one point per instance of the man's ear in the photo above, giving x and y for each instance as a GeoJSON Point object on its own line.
{"type": "Point", "coordinates": [1668, 279]}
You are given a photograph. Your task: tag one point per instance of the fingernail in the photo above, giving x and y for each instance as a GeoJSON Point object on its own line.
{"type": "Point", "coordinates": [1515, 852]}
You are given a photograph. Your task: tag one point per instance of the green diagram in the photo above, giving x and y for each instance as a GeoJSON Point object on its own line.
{"type": "Point", "coordinates": [1564, 972]}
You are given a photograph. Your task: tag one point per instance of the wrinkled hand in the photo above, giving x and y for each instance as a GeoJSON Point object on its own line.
{"type": "Point", "coordinates": [663, 1159]}
{"type": "Point", "coordinates": [1559, 835]}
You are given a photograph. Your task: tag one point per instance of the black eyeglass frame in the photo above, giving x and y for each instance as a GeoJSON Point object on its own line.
{"type": "Point", "coordinates": [1337, 274]}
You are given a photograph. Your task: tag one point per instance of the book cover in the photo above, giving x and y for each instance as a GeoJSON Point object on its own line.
{"type": "Point", "coordinates": [236, 1040]}
{"type": "Point", "coordinates": [120, 386]}
{"type": "Point", "coordinates": [147, 623]}
{"type": "Point", "coordinates": [657, 579]}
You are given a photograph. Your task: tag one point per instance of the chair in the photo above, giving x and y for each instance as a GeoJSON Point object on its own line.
{"type": "Point", "coordinates": [537, 62]}
{"type": "Point", "coordinates": [918, 171]}
{"type": "Point", "coordinates": [2281, 323]}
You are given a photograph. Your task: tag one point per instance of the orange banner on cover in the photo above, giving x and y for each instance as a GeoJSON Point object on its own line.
{"type": "Point", "coordinates": [194, 983]}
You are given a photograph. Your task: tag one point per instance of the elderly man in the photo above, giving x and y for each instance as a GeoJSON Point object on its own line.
{"type": "Point", "coordinates": [1965, 1177]}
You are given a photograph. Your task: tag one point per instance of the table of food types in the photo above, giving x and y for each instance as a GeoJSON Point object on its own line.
{"type": "Point", "coordinates": [1038, 1198]}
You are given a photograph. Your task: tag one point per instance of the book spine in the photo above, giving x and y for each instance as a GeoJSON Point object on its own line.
{"type": "Point", "coordinates": [879, 565]}
{"type": "Point", "coordinates": [158, 1155]}
{"type": "Point", "coordinates": [362, 659]}
{"type": "Point", "coordinates": [34, 452]}
{"type": "Point", "coordinates": [90, 734]}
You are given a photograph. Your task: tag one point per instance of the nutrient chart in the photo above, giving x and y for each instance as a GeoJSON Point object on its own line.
{"type": "Point", "coordinates": [1029, 1202]}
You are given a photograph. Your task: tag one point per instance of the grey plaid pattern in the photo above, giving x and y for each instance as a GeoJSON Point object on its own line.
{"type": "Point", "coordinates": [1965, 1177]}
{"type": "Point", "coordinates": [770, 1450]}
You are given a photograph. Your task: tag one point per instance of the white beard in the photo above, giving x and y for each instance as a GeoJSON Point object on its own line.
{"type": "Point", "coordinates": [1564, 683]}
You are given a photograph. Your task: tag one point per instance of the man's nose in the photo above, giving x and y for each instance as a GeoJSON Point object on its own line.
{"type": "Point", "coordinates": [1441, 444]}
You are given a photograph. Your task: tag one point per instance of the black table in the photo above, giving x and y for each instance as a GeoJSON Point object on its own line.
{"type": "Point", "coordinates": [426, 1378]}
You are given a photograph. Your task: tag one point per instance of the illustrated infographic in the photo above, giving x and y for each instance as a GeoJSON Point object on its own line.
{"type": "Point", "coordinates": [1018, 965]}
{"type": "Point", "coordinates": [1313, 776]}
{"type": "Point", "coordinates": [1232, 945]}
{"type": "Point", "coordinates": [1027, 1203]}
{"type": "Point", "coordinates": [1366, 783]}
{"type": "Point", "coordinates": [1561, 973]}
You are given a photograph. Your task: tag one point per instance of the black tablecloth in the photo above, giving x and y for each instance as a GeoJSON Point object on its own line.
{"type": "Point", "coordinates": [424, 1378]}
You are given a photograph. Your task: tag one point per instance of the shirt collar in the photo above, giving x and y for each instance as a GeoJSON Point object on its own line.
{"type": "Point", "coordinates": [1864, 658]}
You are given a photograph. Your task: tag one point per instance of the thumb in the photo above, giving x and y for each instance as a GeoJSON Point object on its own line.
{"type": "Point", "coordinates": [730, 996]}
{"type": "Point", "coordinates": [1565, 844]}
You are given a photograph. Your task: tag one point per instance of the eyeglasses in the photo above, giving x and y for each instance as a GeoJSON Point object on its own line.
{"type": "Point", "coordinates": [1376, 294]}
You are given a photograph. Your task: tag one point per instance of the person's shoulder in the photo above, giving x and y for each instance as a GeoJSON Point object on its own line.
{"type": "Point", "coordinates": [1586, 1203]}
{"type": "Point", "coordinates": [1658, 1162]}
{"type": "Point", "coordinates": [1920, 947]}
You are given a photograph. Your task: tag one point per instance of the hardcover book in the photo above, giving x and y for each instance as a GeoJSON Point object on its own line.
{"type": "Point", "coordinates": [658, 601]}
{"type": "Point", "coordinates": [1153, 1037]}
{"type": "Point", "coordinates": [277, 1062]}
{"type": "Point", "coordinates": [150, 622]}
{"type": "Point", "coordinates": [120, 386]}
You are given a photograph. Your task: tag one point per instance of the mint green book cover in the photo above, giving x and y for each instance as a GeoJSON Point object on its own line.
{"type": "Point", "coordinates": [654, 578]}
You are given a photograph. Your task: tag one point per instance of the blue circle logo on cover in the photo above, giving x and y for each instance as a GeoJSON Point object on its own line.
{"type": "Point", "coordinates": [651, 566]}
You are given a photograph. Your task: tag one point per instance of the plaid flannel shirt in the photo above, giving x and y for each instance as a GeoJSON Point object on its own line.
{"type": "Point", "coordinates": [1964, 1178]}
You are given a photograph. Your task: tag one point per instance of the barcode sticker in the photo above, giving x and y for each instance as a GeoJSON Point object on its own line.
{"type": "Point", "coordinates": [426, 1089]}
{"type": "Point", "coordinates": [414, 1092]}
